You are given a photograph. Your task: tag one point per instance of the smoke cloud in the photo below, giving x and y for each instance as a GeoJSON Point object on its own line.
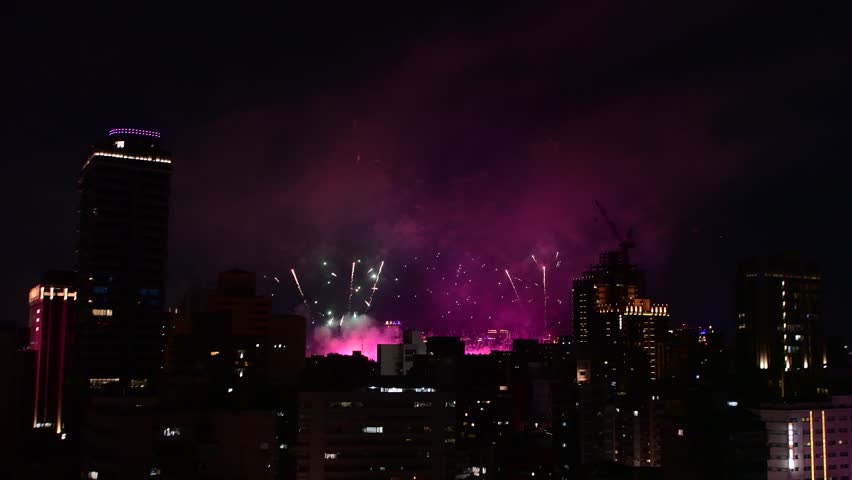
{"type": "Point", "coordinates": [356, 333]}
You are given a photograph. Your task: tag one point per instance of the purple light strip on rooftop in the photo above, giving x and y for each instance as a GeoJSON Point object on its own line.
{"type": "Point", "coordinates": [134, 131]}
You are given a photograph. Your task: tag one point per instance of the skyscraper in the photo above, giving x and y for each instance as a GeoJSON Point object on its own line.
{"type": "Point", "coordinates": [53, 305]}
{"type": "Point", "coordinates": [779, 323]}
{"type": "Point", "coordinates": [617, 330]}
{"type": "Point", "coordinates": [121, 259]}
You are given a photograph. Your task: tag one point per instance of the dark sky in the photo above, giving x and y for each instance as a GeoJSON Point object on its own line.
{"type": "Point", "coordinates": [484, 133]}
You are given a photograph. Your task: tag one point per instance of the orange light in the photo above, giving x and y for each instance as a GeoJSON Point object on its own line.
{"type": "Point", "coordinates": [824, 448]}
{"type": "Point", "coordinates": [811, 422]}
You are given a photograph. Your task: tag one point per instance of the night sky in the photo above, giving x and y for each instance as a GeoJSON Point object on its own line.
{"type": "Point", "coordinates": [483, 134]}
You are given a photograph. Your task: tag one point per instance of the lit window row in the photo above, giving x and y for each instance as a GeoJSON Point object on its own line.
{"type": "Point", "coordinates": [127, 157]}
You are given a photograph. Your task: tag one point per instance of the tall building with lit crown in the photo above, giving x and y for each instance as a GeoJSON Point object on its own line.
{"type": "Point", "coordinates": [52, 308]}
{"type": "Point", "coordinates": [121, 259]}
{"type": "Point", "coordinates": [614, 325]}
{"type": "Point", "coordinates": [778, 318]}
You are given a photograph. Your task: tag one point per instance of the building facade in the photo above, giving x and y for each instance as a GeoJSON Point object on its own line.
{"type": "Point", "coordinates": [52, 308]}
{"type": "Point", "coordinates": [121, 259]}
{"type": "Point", "coordinates": [809, 441]}
{"type": "Point", "coordinates": [381, 433]}
{"type": "Point", "coordinates": [618, 331]}
{"type": "Point", "coordinates": [779, 319]}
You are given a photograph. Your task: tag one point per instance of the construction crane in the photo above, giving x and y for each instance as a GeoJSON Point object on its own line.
{"type": "Point", "coordinates": [625, 243]}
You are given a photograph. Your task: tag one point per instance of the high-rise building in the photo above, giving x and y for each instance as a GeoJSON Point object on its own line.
{"type": "Point", "coordinates": [779, 322]}
{"type": "Point", "coordinates": [53, 305]}
{"type": "Point", "coordinates": [121, 259]}
{"type": "Point", "coordinates": [617, 330]}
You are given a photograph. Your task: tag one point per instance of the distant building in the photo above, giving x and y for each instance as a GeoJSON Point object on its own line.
{"type": "Point", "coordinates": [614, 324]}
{"type": "Point", "coordinates": [808, 440]}
{"type": "Point", "coordinates": [383, 432]}
{"type": "Point", "coordinates": [398, 359]}
{"type": "Point", "coordinates": [779, 318]}
{"type": "Point", "coordinates": [394, 331]}
{"type": "Point", "coordinates": [52, 309]}
{"type": "Point", "coordinates": [121, 259]}
{"type": "Point", "coordinates": [232, 334]}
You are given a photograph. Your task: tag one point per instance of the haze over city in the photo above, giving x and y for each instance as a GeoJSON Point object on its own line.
{"type": "Point", "coordinates": [426, 241]}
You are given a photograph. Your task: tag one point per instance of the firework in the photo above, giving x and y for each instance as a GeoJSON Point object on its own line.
{"type": "Point", "coordinates": [544, 288]}
{"type": "Point", "coordinates": [513, 286]}
{"type": "Point", "coordinates": [301, 292]}
{"type": "Point", "coordinates": [351, 290]}
{"type": "Point", "coordinates": [276, 280]}
{"type": "Point", "coordinates": [375, 284]}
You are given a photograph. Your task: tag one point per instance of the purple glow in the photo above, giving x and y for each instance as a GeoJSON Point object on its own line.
{"type": "Point", "coordinates": [134, 131]}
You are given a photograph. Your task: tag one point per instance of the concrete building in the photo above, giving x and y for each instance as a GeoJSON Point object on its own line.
{"type": "Point", "coordinates": [809, 441]}
{"type": "Point", "coordinates": [779, 321]}
{"type": "Point", "coordinates": [398, 359]}
{"type": "Point", "coordinates": [379, 433]}
{"type": "Point", "coordinates": [52, 309]}
{"type": "Point", "coordinates": [139, 439]}
{"type": "Point", "coordinates": [121, 259]}
{"type": "Point", "coordinates": [618, 330]}
{"type": "Point", "coordinates": [232, 330]}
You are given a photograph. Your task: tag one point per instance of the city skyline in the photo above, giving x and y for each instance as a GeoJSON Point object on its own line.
{"type": "Point", "coordinates": [681, 124]}
{"type": "Point", "coordinates": [426, 241]}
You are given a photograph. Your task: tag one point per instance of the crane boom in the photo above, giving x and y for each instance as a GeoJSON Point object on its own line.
{"type": "Point", "coordinates": [625, 243]}
{"type": "Point", "coordinates": [609, 222]}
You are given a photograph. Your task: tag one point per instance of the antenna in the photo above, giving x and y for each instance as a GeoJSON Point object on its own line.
{"type": "Point", "coordinates": [625, 243]}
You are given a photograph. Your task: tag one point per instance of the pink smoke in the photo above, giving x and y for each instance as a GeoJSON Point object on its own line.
{"type": "Point", "coordinates": [361, 333]}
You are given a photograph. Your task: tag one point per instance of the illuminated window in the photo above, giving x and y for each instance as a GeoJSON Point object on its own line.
{"type": "Point", "coordinates": [138, 383]}
{"type": "Point", "coordinates": [171, 432]}
{"type": "Point", "coordinates": [330, 456]}
{"type": "Point", "coordinates": [102, 312]}
{"type": "Point", "coordinates": [100, 383]}
{"type": "Point", "coordinates": [373, 429]}
{"type": "Point", "coordinates": [214, 353]}
{"type": "Point", "coordinates": [422, 404]}
{"type": "Point", "coordinates": [119, 144]}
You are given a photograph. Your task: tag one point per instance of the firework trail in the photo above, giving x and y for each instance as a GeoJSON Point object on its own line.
{"type": "Point", "coordinates": [536, 261]}
{"type": "Point", "coordinates": [276, 280]}
{"type": "Point", "coordinates": [302, 293]}
{"type": "Point", "coordinates": [512, 282]}
{"type": "Point", "coordinates": [351, 290]}
{"type": "Point", "coordinates": [375, 284]}
{"type": "Point", "coordinates": [544, 287]}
